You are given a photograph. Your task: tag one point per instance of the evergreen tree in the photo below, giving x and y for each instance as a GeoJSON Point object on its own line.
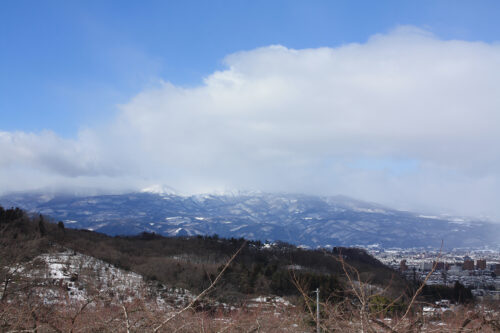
{"type": "Point", "coordinates": [41, 226]}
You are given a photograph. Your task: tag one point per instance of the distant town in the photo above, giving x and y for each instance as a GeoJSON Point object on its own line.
{"type": "Point", "coordinates": [478, 270]}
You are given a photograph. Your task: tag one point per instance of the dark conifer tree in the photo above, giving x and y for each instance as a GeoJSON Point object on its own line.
{"type": "Point", "coordinates": [41, 226]}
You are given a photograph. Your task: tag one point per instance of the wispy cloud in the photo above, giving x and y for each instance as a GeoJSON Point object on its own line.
{"type": "Point", "coordinates": [404, 119]}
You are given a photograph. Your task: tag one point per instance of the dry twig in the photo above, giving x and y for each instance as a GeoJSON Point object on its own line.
{"type": "Point", "coordinates": [203, 293]}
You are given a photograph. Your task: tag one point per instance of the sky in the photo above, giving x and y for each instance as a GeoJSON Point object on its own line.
{"type": "Point", "coordinates": [395, 102]}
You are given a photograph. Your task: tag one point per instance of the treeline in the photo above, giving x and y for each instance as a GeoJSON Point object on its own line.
{"type": "Point", "coordinates": [457, 294]}
{"type": "Point", "coordinates": [193, 262]}
{"type": "Point", "coordinates": [357, 291]}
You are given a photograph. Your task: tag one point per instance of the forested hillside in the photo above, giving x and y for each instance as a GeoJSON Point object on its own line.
{"type": "Point", "coordinates": [66, 279]}
{"type": "Point", "coordinates": [191, 262]}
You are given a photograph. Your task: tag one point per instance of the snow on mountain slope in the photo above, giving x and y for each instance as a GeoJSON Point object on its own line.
{"type": "Point", "coordinates": [298, 219]}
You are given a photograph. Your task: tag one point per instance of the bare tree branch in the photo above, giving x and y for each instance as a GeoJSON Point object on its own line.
{"type": "Point", "coordinates": [204, 292]}
{"type": "Point", "coordinates": [419, 290]}
{"type": "Point", "coordinates": [127, 321]}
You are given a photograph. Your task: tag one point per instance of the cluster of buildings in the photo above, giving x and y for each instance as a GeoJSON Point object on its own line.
{"type": "Point", "coordinates": [456, 267]}
{"type": "Point", "coordinates": [478, 270]}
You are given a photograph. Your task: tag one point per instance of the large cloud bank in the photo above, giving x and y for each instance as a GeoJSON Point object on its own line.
{"type": "Point", "coordinates": [405, 119]}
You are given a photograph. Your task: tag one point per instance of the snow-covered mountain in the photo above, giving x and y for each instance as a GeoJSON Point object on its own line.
{"type": "Point", "coordinates": [298, 219]}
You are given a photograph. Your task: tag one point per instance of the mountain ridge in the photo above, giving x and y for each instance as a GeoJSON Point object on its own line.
{"type": "Point", "coordinates": [300, 219]}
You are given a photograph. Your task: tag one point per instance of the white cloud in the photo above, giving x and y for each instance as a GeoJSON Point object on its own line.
{"type": "Point", "coordinates": [279, 119]}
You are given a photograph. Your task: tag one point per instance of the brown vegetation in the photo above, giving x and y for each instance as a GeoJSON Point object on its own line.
{"type": "Point", "coordinates": [358, 293]}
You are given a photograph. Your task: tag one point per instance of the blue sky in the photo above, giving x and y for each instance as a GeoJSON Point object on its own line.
{"type": "Point", "coordinates": [390, 101]}
{"type": "Point", "coordinates": [64, 65]}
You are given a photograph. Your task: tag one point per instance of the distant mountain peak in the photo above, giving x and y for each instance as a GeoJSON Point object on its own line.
{"type": "Point", "coordinates": [160, 190]}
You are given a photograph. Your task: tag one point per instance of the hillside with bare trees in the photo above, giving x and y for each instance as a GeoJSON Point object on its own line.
{"type": "Point", "coordinates": [55, 279]}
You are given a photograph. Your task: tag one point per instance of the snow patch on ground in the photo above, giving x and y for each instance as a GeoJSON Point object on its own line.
{"type": "Point", "coordinates": [73, 277]}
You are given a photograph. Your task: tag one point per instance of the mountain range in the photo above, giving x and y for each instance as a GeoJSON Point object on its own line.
{"type": "Point", "coordinates": [305, 220]}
